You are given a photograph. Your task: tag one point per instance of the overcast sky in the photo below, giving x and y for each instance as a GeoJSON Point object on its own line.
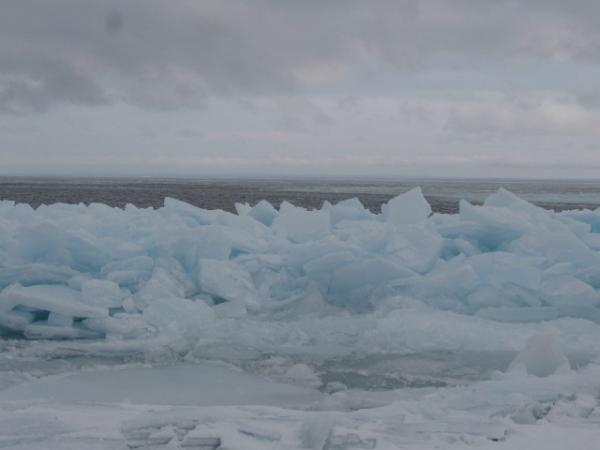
{"type": "Point", "coordinates": [436, 88]}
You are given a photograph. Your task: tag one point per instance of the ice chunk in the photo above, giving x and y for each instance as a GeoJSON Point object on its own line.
{"type": "Point", "coordinates": [298, 255]}
{"type": "Point", "coordinates": [264, 212]}
{"type": "Point", "coordinates": [52, 298]}
{"type": "Point", "coordinates": [47, 243]}
{"type": "Point", "coordinates": [242, 209]}
{"type": "Point", "coordinates": [242, 228]}
{"type": "Point", "coordinates": [455, 247]}
{"type": "Point", "coordinates": [15, 320]}
{"type": "Point", "coordinates": [102, 293]}
{"type": "Point", "coordinates": [41, 331]}
{"type": "Point", "coordinates": [584, 312]}
{"type": "Point", "coordinates": [227, 280]}
{"type": "Point", "coordinates": [59, 320]}
{"type": "Point", "coordinates": [231, 310]}
{"type": "Point", "coordinates": [323, 265]}
{"type": "Point", "coordinates": [128, 271]}
{"type": "Point", "coordinates": [350, 209]}
{"type": "Point", "coordinates": [121, 325]}
{"type": "Point", "coordinates": [162, 284]}
{"type": "Point", "coordinates": [506, 199]}
{"type": "Point", "coordinates": [35, 273]}
{"type": "Point", "coordinates": [374, 270]}
{"type": "Point", "coordinates": [309, 303]}
{"type": "Point", "coordinates": [183, 209]}
{"type": "Point", "coordinates": [541, 218]}
{"type": "Point", "coordinates": [591, 218]}
{"type": "Point", "coordinates": [352, 284]}
{"type": "Point", "coordinates": [556, 247]}
{"type": "Point", "coordinates": [592, 240]}
{"type": "Point", "coordinates": [501, 268]}
{"type": "Point", "coordinates": [508, 295]}
{"type": "Point", "coordinates": [211, 242]}
{"type": "Point", "coordinates": [452, 280]}
{"type": "Point", "coordinates": [414, 247]}
{"type": "Point", "coordinates": [178, 315]}
{"type": "Point", "coordinates": [352, 203]}
{"type": "Point", "coordinates": [540, 357]}
{"type": "Point", "coordinates": [299, 225]}
{"type": "Point", "coordinates": [507, 314]}
{"type": "Point", "coordinates": [240, 239]}
{"type": "Point", "coordinates": [590, 275]}
{"type": "Point", "coordinates": [569, 291]}
{"type": "Point", "coordinates": [539, 313]}
{"type": "Point", "coordinates": [494, 227]}
{"type": "Point", "coordinates": [370, 236]}
{"type": "Point", "coordinates": [407, 208]}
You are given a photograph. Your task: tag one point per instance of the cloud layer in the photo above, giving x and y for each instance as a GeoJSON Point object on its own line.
{"type": "Point", "coordinates": [384, 79]}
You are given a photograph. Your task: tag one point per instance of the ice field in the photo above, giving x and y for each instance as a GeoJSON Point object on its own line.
{"type": "Point", "coordinates": [335, 328]}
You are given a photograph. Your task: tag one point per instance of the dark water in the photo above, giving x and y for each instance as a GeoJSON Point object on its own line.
{"type": "Point", "coordinates": [223, 193]}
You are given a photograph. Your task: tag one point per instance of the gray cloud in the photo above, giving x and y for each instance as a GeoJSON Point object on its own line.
{"type": "Point", "coordinates": [114, 22]}
{"type": "Point", "coordinates": [38, 83]}
{"type": "Point", "coordinates": [550, 114]}
{"type": "Point", "coordinates": [420, 86]}
{"type": "Point", "coordinates": [160, 54]}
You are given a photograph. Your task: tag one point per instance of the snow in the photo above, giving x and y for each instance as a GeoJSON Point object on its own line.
{"type": "Point", "coordinates": [335, 328]}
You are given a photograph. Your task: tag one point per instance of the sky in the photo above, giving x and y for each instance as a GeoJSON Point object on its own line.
{"type": "Point", "coordinates": [455, 88]}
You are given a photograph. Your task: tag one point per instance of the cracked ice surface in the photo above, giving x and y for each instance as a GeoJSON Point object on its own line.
{"type": "Point", "coordinates": [327, 329]}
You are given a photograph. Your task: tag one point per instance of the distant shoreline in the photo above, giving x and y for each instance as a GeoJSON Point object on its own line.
{"type": "Point", "coordinates": [222, 193]}
{"type": "Point", "coordinates": [297, 177]}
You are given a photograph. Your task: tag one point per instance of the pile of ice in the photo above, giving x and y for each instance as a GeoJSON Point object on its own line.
{"type": "Point", "coordinates": [338, 277]}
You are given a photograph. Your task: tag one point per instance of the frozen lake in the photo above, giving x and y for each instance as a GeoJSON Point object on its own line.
{"type": "Point", "coordinates": [344, 327]}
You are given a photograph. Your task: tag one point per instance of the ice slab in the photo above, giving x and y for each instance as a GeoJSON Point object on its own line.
{"type": "Point", "coordinates": [36, 273]}
{"type": "Point", "coordinates": [407, 208]}
{"type": "Point", "coordinates": [51, 298]}
{"type": "Point", "coordinates": [264, 212]}
{"type": "Point", "coordinates": [178, 315]}
{"type": "Point", "coordinates": [351, 209]}
{"type": "Point", "coordinates": [103, 293]}
{"type": "Point", "coordinates": [227, 280]}
{"type": "Point", "coordinates": [201, 384]}
{"type": "Point", "coordinates": [299, 225]}
{"type": "Point", "coordinates": [415, 247]}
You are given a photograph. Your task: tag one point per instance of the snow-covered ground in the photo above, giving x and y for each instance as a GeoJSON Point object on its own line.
{"type": "Point", "coordinates": [329, 329]}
